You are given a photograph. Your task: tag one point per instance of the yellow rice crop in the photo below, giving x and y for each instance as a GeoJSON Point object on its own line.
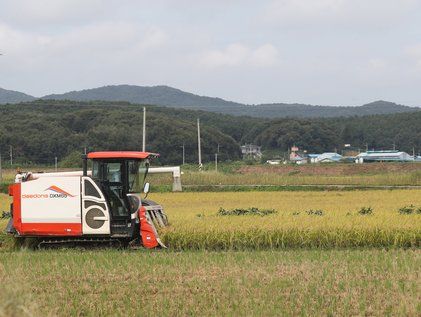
{"type": "Point", "coordinates": [195, 225]}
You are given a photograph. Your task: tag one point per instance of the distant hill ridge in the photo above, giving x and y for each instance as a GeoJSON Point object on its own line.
{"type": "Point", "coordinates": [11, 96]}
{"type": "Point", "coordinates": [172, 97]}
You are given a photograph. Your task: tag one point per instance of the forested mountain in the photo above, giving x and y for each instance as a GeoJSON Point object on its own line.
{"type": "Point", "coordinates": [171, 97]}
{"type": "Point", "coordinates": [157, 95]}
{"type": "Point", "coordinates": [309, 111]}
{"type": "Point", "coordinates": [378, 132]}
{"type": "Point", "coordinates": [41, 130]}
{"type": "Point", "coordinates": [11, 96]}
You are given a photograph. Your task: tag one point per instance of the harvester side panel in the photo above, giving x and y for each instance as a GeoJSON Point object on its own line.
{"type": "Point", "coordinates": [95, 211]}
{"type": "Point", "coordinates": [50, 207]}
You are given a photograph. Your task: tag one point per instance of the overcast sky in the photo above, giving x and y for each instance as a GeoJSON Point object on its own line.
{"type": "Point", "coordinates": [330, 52]}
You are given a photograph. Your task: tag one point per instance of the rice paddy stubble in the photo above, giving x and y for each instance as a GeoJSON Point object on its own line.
{"type": "Point", "coordinates": [252, 283]}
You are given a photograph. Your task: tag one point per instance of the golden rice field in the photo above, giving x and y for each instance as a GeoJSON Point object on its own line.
{"type": "Point", "coordinates": [195, 225]}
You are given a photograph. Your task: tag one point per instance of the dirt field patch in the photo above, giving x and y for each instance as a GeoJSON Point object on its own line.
{"type": "Point", "coordinates": [332, 169]}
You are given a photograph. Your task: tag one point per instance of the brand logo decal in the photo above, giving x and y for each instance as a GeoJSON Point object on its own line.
{"type": "Point", "coordinates": [55, 192]}
{"type": "Point", "coordinates": [58, 192]}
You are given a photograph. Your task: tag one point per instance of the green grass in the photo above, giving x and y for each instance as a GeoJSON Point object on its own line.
{"type": "Point", "coordinates": [208, 178]}
{"type": "Point", "coordinates": [238, 177]}
{"type": "Point", "coordinates": [259, 283]}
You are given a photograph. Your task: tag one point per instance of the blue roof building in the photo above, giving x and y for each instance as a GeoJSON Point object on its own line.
{"type": "Point", "coordinates": [328, 157]}
{"type": "Point", "coordinates": [384, 156]}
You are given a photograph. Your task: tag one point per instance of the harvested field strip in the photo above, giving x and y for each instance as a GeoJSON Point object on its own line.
{"type": "Point", "coordinates": [280, 283]}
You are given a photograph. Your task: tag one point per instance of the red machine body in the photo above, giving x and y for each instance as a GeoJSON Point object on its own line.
{"type": "Point", "coordinates": [104, 204]}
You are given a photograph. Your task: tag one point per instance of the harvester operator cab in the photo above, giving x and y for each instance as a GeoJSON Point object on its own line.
{"type": "Point", "coordinates": [120, 176]}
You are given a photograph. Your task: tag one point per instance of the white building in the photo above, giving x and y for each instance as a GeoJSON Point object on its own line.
{"type": "Point", "coordinates": [383, 156]}
{"type": "Point", "coordinates": [251, 151]}
{"type": "Point", "coordinates": [328, 157]}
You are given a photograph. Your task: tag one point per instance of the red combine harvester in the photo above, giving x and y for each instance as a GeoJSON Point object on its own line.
{"type": "Point", "coordinates": [99, 206]}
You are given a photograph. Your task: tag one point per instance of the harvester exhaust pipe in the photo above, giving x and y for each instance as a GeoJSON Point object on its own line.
{"type": "Point", "coordinates": [85, 164]}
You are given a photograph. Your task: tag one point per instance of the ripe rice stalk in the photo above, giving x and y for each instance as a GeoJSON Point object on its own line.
{"type": "Point", "coordinates": [337, 228]}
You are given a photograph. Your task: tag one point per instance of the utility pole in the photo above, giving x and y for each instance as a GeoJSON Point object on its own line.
{"type": "Point", "coordinates": [184, 154]}
{"type": "Point", "coordinates": [199, 145]}
{"type": "Point", "coordinates": [218, 149]}
{"type": "Point", "coordinates": [144, 130]}
{"type": "Point", "coordinates": [216, 162]}
{"type": "Point", "coordinates": [366, 147]}
{"type": "Point", "coordinates": [394, 146]}
{"type": "Point", "coordinates": [413, 152]}
{"type": "Point", "coordinates": [55, 163]}
{"type": "Point", "coordinates": [11, 156]}
{"type": "Point", "coordinates": [85, 150]}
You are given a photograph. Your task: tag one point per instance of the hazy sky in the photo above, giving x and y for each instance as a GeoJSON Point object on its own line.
{"type": "Point", "coordinates": [331, 52]}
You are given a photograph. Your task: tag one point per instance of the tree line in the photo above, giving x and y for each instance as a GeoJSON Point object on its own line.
{"type": "Point", "coordinates": [40, 130]}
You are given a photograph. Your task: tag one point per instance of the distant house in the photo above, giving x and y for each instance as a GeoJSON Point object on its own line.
{"type": "Point", "coordinates": [313, 157]}
{"type": "Point", "coordinates": [383, 156]}
{"type": "Point", "coordinates": [251, 151]}
{"type": "Point", "coordinates": [328, 157]}
{"type": "Point", "coordinates": [297, 156]}
{"type": "Point", "coordinates": [350, 151]}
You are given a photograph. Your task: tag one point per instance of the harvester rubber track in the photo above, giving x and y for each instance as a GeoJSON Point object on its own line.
{"type": "Point", "coordinates": [82, 241]}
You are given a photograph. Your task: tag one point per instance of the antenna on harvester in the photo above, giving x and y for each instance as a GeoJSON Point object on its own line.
{"type": "Point", "coordinates": [144, 130]}
{"type": "Point", "coordinates": [199, 145]}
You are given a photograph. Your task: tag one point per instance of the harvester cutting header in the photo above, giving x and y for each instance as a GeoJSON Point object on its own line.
{"type": "Point", "coordinates": [101, 205]}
